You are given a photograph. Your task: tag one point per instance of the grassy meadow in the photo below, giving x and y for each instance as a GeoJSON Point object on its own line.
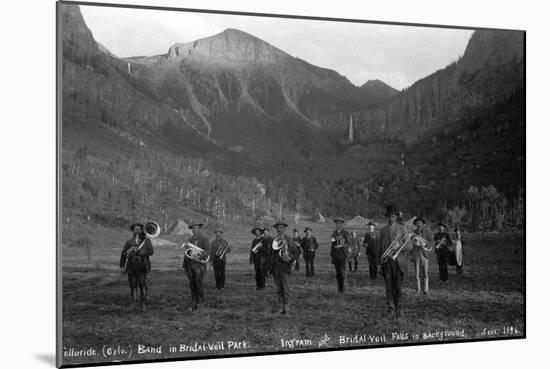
{"type": "Point", "coordinates": [100, 323]}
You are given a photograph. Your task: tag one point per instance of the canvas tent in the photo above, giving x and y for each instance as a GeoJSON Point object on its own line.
{"type": "Point", "coordinates": [357, 221]}
{"type": "Point", "coordinates": [410, 223]}
{"type": "Point", "coordinates": [319, 218]}
{"type": "Point", "coordinates": [180, 228]}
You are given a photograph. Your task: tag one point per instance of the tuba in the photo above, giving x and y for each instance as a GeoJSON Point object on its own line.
{"type": "Point", "coordinates": [194, 253]}
{"type": "Point", "coordinates": [151, 230]}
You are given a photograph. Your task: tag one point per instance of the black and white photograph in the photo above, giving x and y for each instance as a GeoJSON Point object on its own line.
{"type": "Point", "coordinates": [236, 184]}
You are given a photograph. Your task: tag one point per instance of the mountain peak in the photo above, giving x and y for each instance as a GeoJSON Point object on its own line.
{"type": "Point", "coordinates": [230, 45]}
{"type": "Point", "coordinates": [378, 88]}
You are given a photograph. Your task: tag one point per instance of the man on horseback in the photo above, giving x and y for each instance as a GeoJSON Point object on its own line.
{"type": "Point", "coordinates": [134, 260]}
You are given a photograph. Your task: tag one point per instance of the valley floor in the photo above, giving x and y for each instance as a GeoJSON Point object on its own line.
{"type": "Point", "coordinates": [101, 324]}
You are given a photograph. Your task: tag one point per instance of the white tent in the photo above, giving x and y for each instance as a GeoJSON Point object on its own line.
{"type": "Point", "coordinates": [180, 228]}
{"type": "Point", "coordinates": [320, 218]}
{"type": "Point", "coordinates": [357, 221]}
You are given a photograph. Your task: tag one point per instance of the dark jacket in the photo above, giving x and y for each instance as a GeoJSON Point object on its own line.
{"type": "Point", "coordinates": [309, 246]}
{"type": "Point", "coordinates": [216, 245]}
{"type": "Point", "coordinates": [274, 260]}
{"type": "Point", "coordinates": [340, 243]}
{"type": "Point", "coordinates": [372, 244]}
{"type": "Point", "coordinates": [298, 243]}
{"type": "Point", "coordinates": [130, 250]}
{"type": "Point", "coordinates": [443, 250]}
{"type": "Point", "coordinates": [201, 241]}
{"type": "Point", "coordinates": [261, 254]}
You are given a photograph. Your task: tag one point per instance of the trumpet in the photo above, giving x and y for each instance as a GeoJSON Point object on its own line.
{"type": "Point", "coordinates": [396, 246]}
{"type": "Point", "coordinates": [421, 242]}
{"type": "Point", "coordinates": [194, 253]}
{"type": "Point", "coordinates": [257, 246]}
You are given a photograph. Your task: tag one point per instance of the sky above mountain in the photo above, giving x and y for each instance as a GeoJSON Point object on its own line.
{"type": "Point", "coordinates": [397, 55]}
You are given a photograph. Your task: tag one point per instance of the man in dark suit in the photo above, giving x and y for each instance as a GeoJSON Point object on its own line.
{"type": "Point", "coordinates": [258, 256]}
{"type": "Point", "coordinates": [218, 247]}
{"type": "Point", "coordinates": [309, 247]}
{"type": "Point", "coordinates": [372, 249]}
{"type": "Point", "coordinates": [339, 252]}
{"type": "Point", "coordinates": [394, 270]}
{"type": "Point", "coordinates": [442, 242]}
{"type": "Point", "coordinates": [280, 263]}
{"type": "Point", "coordinates": [134, 260]}
{"type": "Point", "coordinates": [195, 269]}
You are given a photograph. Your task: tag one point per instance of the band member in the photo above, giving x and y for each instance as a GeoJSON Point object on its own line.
{"type": "Point", "coordinates": [309, 247]}
{"type": "Point", "coordinates": [442, 242]}
{"type": "Point", "coordinates": [297, 241]}
{"type": "Point", "coordinates": [339, 252]}
{"type": "Point", "coordinates": [353, 258]}
{"type": "Point", "coordinates": [280, 263]}
{"type": "Point", "coordinates": [420, 258]}
{"type": "Point", "coordinates": [258, 256]}
{"type": "Point", "coordinates": [218, 256]}
{"type": "Point", "coordinates": [196, 270]}
{"type": "Point", "coordinates": [372, 249]}
{"type": "Point", "coordinates": [134, 260]}
{"type": "Point", "coordinates": [393, 270]}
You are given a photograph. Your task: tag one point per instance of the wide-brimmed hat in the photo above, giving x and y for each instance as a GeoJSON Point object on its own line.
{"type": "Point", "coordinates": [253, 230]}
{"type": "Point", "coordinates": [134, 225]}
{"type": "Point", "coordinates": [371, 224]}
{"type": "Point", "coordinates": [338, 220]}
{"type": "Point", "coordinates": [307, 229]}
{"type": "Point", "coordinates": [391, 210]}
{"type": "Point", "coordinates": [218, 230]}
{"type": "Point", "coordinates": [195, 223]}
{"type": "Point", "coordinates": [280, 222]}
{"type": "Point", "coordinates": [418, 219]}
{"type": "Point", "coordinates": [441, 224]}
{"type": "Point", "coordinates": [265, 229]}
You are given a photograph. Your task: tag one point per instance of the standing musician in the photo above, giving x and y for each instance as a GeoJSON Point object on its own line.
{"type": "Point", "coordinates": [297, 241]}
{"type": "Point", "coordinates": [393, 270]}
{"type": "Point", "coordinates": [218, 255]}
{"type": "Point", "coordinates": [353, 258]}
{"type": "Point", "coordinates": [258, 256]}
{"type": "Point", "coordinates": [420, 258]}
{"type": "Point", "coordinates": [339, 252]}
{"type": "Point", "coordinates": [134, 260]}
{"type": "Point", "coordinates": [442, 243]}
{"type": "Point", "coordinates": [372, 249]}
{"type": "Point", "coordinates": [309, 246]}
{"type": "Point", "coordinates": [195, 269]}
{"type": "Point", "coordinates": [281, 254]}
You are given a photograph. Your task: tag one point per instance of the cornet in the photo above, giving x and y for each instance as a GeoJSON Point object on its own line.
{"type": "Point", "coordinates": [421, 242]}
{"type": "Point", "coordinates": [257, 246]}
{"type": "Point", "coordinates": [195, 253]}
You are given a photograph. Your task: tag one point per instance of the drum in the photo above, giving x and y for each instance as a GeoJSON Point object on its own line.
{"type": "Point", "coordinates": [459, 255]}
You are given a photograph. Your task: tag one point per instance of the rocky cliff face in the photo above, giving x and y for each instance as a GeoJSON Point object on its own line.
{"type": "Point", "coordinates": [490, 70]}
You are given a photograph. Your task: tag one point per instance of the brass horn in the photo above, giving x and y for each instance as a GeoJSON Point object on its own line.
{"type": "Point", "coordinates": [151, 229]}
{"type": "Point", "coordinates": [195, 253]}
